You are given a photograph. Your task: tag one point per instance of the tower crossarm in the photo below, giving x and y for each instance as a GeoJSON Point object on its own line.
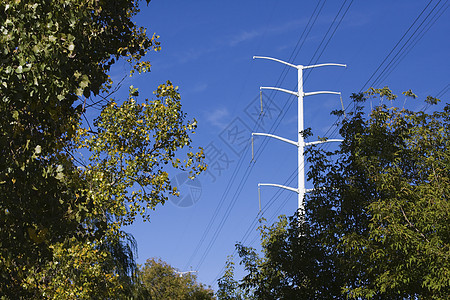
{"type": "Point", "coordinates": [279, 89]}
{"type": "Point", "coordinates": [279, 186]}
{"type": "Point", "coordinates": [324, 65]}
{"type": "Point", "coordinates": [321, 142]}
{"type": "Point", "coordinates": [320, 92]}
{"type": "Point", "coordinates": [280, 61]}
{"type": "Point", "coordinates": [276, 137]}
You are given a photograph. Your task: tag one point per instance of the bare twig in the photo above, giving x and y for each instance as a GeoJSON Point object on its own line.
{"type": "Point", "coordinates": [410, 224]}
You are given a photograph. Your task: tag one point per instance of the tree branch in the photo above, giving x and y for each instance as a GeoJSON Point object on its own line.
{"type": "Point", "coordinates": [410, 224]}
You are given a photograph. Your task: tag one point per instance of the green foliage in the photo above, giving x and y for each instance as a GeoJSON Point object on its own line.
{"type": "Point", "coordinates": [293, 265]}
{"type": "Point", "coordinates": [76, 271]}
{"type": "Point", "coordinates": [131, 148]}
{"type": "Point", "coordinates": [404, 159]}
{"type": "Point", "coordinates": [386, 92]}
{"type": "Point", "coordinates": [228, 286]}
{"type": "Point", "coordinates": [60, 219]}
{"type": "Point", "coordinates": [409, 93]}
{"type": "Point", "coordinates": [376, 225]}
{"type": "Point", "coordinates": [159, 280]}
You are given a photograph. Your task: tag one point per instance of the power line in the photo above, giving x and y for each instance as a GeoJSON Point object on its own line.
{"type": "Point", "coordinates": [377, 80]}
{"type": "Point", "coordinates": [245, 177]}
{"type": "Point", "coordinates": [220, 204]}
{"type": "Point", "coordinates": [260, 214]}
{"type": "Point", "coordinates": [237, 192]}
{"type": "Point", "coordinates": [395, 60]}
{"type": "Point", "coordinates": [415, 41]}
{"type": "Point", "coordinates": [255, 220]}
{"type": "Point", "coordinates": [438, 95]}
{"type": "Point", "coordinates": [392, 50]}
{"type": "Point", "coordinates": [225, 217]}
{"type": "Point", "coordinates": [276, 196]}
{"type": "Point", "coordinates": [281, 78]}
{"type": "Point", "coordinates": [312, 20]}
{"type": "Point", "coordinates": [443, 91]}
{"type": "Point", "coordinates": [331, 36]}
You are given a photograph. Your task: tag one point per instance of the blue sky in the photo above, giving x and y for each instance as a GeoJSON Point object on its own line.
{"type": "Point", "coordinates": [207, 50]}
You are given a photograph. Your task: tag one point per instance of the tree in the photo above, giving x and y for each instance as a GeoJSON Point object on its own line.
{"type": "Point", "coordinates": [293, 266]}
{"type": "Point", "coordinates": [228, 287]}
{"type": "Point", "coordinates": [159, 280]}
{"type": "Point", "coordinates": [377, 223]}
{"type": "Point", "coordinates": [61, 217]}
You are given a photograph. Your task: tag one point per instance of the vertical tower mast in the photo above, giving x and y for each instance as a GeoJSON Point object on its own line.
{"type": "Point", "coordinates": [301, 142]}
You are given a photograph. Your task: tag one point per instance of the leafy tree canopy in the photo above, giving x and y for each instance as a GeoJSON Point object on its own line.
{"type": "Point", "coordinates": [377, 224]}
{"type": "Point", "coordinates": [161, 281]}
{"type": "Point", "coordinates": [60, 216]}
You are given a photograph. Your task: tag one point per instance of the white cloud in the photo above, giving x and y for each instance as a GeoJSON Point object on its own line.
{"type": "Point", "coordinates": [232, 40]}
{"type": "Point", "coordinates": [248, 35]}
{"type": "Point", "coordinates": [218, 117]}
{"type": "Point", "coordinates": [200, 87]}
{"type": "Point", "coordinates": [245, 36]}
{"type": "Point", "coordinates": [237, 38]}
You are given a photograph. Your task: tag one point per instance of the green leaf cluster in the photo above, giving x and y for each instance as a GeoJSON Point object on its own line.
{"type": "Point", "coordinates": [61, 218]}
{"type": "Point", "coordinates": [377, 223]}
{"type": "Point", "coordinates": [159, 280]}
{"type": "Point", "coordinates": [229, 288]}
{"type": "Point", "coordinates": [131, 150]}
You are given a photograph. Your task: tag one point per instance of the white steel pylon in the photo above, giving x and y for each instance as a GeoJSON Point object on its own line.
{"type": "Point", "coordinates": [300, 94]}
{"type": "Point", "coordinates": [185, 272]}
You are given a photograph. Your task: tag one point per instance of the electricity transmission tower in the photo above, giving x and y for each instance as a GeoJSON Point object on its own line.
{"type": "Point", "coordinates": [185, 272]}
{"type": "Point", "coordinates": [300, 143]}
